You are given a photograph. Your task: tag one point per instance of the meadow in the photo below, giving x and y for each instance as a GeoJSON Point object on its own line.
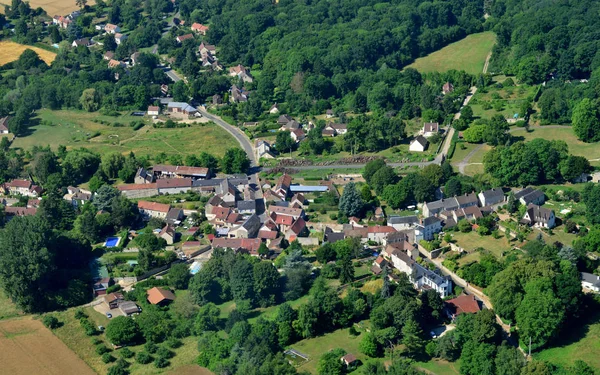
{"type": "Point", "coordinates": [30, 348]}
{"type": "Point", "coordinates": [468, 54]}
{"type": "Point", "coordinates": [10, 51]}
{"type": "Point", "coordinates": [75, 129]}
{"type": "Point", "coordinates": [564, 133]}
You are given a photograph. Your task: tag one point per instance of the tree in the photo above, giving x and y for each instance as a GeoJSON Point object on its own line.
{"type": "Point", "coordinates": [383, 177]}
{"type": "Point", "coordinates": [581, 368]}
{"type": "Point", "coordinates": [573, 167]}
{"type": "Point", "coordinates": [586, 122]}
{"type": "Point", "coordinates": [266, 283]}
{"type": "Point", "coordinates": [540, 313]}
{"type": "Point", "coordinates": [179, 276]}
{"type": "Point", "coordinates": [536, 368]}
{"type": "Point", "coordinates": [412, 338]}
{"type": "Point", "coordinates": [112, 163]}
{"type": "Point", "coordinates": [325, 253]}
{"type": "Point", "coordinates": [122, 330]}
{"type": "Point", "coordinates": [89, 100]}
{"type": "Point", "coordinates": [369, 345]}
{"type": "Point", "coordinates": [81, 3]}
{"type": "Point", "coordinates": [512, 205]}
{"type": "Point", "coordinates": [235, 160]}
{"type": "Point", "coordinates": [241, 278]}
{"type": "Point", "coordinates": [330, 363]}
{"type": "Point", "coordinates": [509, 360]}
{"type": "Point", "coordinates": [51, 321]}
{"type": "Point", "coordinates": [385, 288]}
{"type": "Point", "coordinates": [477, 359]}
{"type": "Point", "coordinates": [371, 167]}
{"type": "Point", "coordinates": [346, 270]}
{"type": "Point", "coordinates": [466, 113]}
{"type": "Point", "coordinates": [207, 318]}
{"type": "Point", "coordinates": [44, 164]}
{"type": "Point", "coordinates": [351, 204]}
{"type": "Point", "coordinates": [308, 318]}
{"type": "Point", "coordinates": [284, 142]}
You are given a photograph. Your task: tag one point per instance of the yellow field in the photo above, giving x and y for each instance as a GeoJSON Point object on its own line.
{"type": "Point", "coordinates": [28, 347]}
{"type": "Point", "coordinates": [10, 51]}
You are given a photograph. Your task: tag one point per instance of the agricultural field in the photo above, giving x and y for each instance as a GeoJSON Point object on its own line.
{"type": "Point", "coordinates": [30, 348]}
{"type": "Point", "coordinates": [468, 54]}
{"type": "Point", "coordinates": [10, 51]}
{"type": "Point", "coordinates": [53, 7]}
{"type": "Point", "coordinates": [76, 129]}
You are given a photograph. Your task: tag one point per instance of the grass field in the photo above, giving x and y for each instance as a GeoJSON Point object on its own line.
{"type": "Point", "coordinates": [582, 344]}
{"type": "Point", "coordinates": [439, 367]}
{"type": "Point", "coordinates": [471, 241]}
{"type": "Point", "coordinates": [28, 347]}
{"type": "Point", "coordinates": [10, 51]}
{"type": "Point", "coordinates": [510, 98]}
{"type": "Point", "coordinates": [315, 347]}
{"type": "Point", "coordinates": [468, 54]}
{"type": "Point", "coordinates": [75, 128]}
{"type": "Point", "coordinates": [576, 147]}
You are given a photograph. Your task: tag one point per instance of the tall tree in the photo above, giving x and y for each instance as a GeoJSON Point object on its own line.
{"type": "Point", "coordinates": [351, 203]}
{"type": "Point", "coordinates": [586, 122]}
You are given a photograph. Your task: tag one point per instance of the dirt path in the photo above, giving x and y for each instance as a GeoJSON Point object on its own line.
{"type": "Point", "coordinates": [463, 163]}
{"type": "Point", "coordinates": [487, 63]}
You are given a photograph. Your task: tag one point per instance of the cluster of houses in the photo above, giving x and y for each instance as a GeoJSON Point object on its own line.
{"type": "Point", "coordinates": [474, 206]}
{"type": "Point", "coordinates": [168, 179]}
{"type": "Point", "coordinates": [115, 304]}
{"type": "Point", "coordinates": [64, 21]}
{"type": "Point", "coordinates": [420, 142]}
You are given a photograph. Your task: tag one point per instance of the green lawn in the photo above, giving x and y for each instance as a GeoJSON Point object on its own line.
{"type": "Point", "coordinates": [460, 153]}
{"type": "Point", "coordinates": [576, 147]}
{"type": "Point", "coordinates": [315, 347]}
{"type": "Point", "coordinates": [439, 367]}
{"type": "Point", "coordinates": [468, 54]}
{"type": "Point", "coordinates": [582, 344]}
{"type": "Point", "coordinates": [471, 241]}
{"type": "Point", "coordinates": [511, 99]}
{"type": "Point", "coordinates": [473, 169]}
{"type": "Point", "coordinates": [75, 129]}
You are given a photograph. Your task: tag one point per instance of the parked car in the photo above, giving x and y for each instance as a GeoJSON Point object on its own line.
{"type": "Point", "coordinates": [108, 315]}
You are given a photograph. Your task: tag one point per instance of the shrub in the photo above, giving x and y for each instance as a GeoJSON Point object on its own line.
{"type": "Point", "coordinates": [102, 349]}
{"type": "Point", "coordinates": [107, 358]}
{"type": "Point", "coordinates": [173, 343]}
{"type": "Point", "coordinates": [161, 362]}
{"type": "Point", "coordinates": [163, 352]}
{"type": "Point", "coordinates": [79, 313]}
{"type": "Point", "coordinates": [96, 341]}
{"type": "Point", "coordinates": [113, 288]}
{"type": "Point", "coordinates": [126, 353]}
{"type": "Point", "coordinates": [431, 348]}
{"type": "Point", "coordinates": [143, 358]}
{"type": "Point", "coordinates": [151, 347]}
{"type": "Point", "coordinates": [88, 327]}
{"type": "Point", "coordinates": [50, 321]}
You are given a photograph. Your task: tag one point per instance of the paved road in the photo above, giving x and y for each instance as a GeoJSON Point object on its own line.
{"type": "Point", "coordinates": [172, 74]}
{"type": "Point", "coordinates": [236, 132]}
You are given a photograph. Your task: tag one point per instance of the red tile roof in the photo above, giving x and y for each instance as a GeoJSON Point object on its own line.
{"type": "Point", "coordinates": [19, 184]}
{"type": "Point", "coordinates": [283, 219]}
{"type": "Point", "coordinates": [157, 295]}
{"type": "Point", "coordinates": [463, 304]}
{"type": "Point", "coordinates": [153, 206]}
{"type": "Point", "coordinates": [128, 187]}
{"type": "Point", "coordinates": [381, 229]}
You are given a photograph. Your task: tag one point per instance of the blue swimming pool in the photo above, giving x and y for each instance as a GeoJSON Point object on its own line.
{"type": "Point", "coordinates": [112, 241]}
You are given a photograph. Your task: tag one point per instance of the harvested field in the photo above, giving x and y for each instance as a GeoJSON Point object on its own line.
{"type": "Point", "coordinates": [10, 51]}
{"type": "Point", "coordinates": [28, 347]}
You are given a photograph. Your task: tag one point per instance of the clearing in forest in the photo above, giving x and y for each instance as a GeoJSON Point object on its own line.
{"type": "Point", "coordinates": [10, 51]}
{"type": "Point", "coordinates": [468, 54]}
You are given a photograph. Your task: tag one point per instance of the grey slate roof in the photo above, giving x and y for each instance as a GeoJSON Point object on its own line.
{"type": "Point", "coordinates": [402, 220]}
{"type": "Point", "coordinates": [246, 205]}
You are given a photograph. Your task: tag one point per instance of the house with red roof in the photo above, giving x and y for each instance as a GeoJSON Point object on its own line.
{"type": "Point", "coordinates": [199, 28]}
{"type": "Point", "coordinates": [461, 305]}
{"type": "Point", "coordinates": [297, 229]}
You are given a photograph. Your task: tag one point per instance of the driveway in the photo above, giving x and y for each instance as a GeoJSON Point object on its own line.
{"type": "Point", "coordinates": [102, 308]}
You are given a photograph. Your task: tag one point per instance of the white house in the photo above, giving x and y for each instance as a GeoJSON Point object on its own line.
{"type": "Point", "coordinates": [419, 144]}
{"type": "Point", "coordinates": [421, 277]}
{"type": "Point", "coordinates": [120, 38]}
{"type": "Point", "coordinates": [430, 129]}
{"type": "Point", "coordinates": [153, 110]}
{"type": "Point", "coordinates": [274, 109]}
{"type": "Point", "coordinates": [429, 227]}
{"type": "Point", "coordinates": [490, 197]}
{"type": "Point", "coordinates": [590, 281]}
{"type": "Point", "coordinates": [539, 217]}
{"type": "Point", "coordinates": [112, 29]}
{"type": "Point", "coordinates": [4, 125]}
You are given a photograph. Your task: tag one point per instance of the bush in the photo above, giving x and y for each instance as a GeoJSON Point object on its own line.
{"type": "Point", "coordinates": [107, 358]}
{"type": "Point", "coordinates": [126, 353]}
{"type": "Point", "coordinates": [79, 313]}
{"type": "Point", "coordinates": [96, 341]}
{"type": "Point", "coordinates": [143, 358]}
{"type": "Point", "coordinates": [50, 321]}
{"type": "Point", "coordinates": [431, 348]}
{"type": "Point", "coordinates": [113, 288]}
{"type": "Point", "coordinates": [161, 362]}
{"type": "Point", "coordinates": [330, 271]}
{"type": "Point", "coordinates": [88, 327]}
{"type": "Point", "coordinates": [163, 352]}
{"type": "Point", "coordinates": [102, 349]}
{"type": "Point", "coordinates": [173, 343]}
